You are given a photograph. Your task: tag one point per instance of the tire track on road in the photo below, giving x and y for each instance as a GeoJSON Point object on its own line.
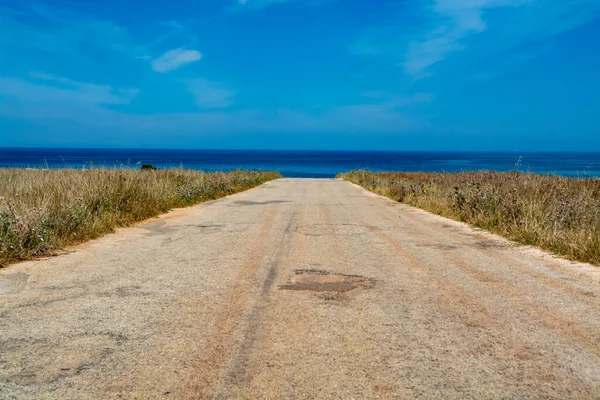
{"type": "Point", "coordinates": [218, 344]}
{"type": "Point", "coordinates": [237, 373]}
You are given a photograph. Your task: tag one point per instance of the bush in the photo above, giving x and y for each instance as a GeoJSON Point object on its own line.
{"type": "Point", "coordinates": [44, 210]}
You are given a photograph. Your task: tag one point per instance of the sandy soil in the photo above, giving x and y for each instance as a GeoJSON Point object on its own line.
{"type": "Point", "coordinates": [300, 288]}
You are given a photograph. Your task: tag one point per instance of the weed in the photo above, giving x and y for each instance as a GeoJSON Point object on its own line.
{"type": "Point", "coordinates": [555, 213]}
{"type": "Point", "coordinates": [42, 211]}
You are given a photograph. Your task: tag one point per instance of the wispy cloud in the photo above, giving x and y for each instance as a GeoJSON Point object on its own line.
{"type": "Point", "coordinates": [54, 32]}
{"type": "Point", "coordinates": [48, 90]}
{"type": "Point", "coordinates": [209, 95]}
{"type": "Point", "coordinates": [54, 103]}
{"type": "Point", "coordinates": [388, 116]}
{"type": "Point", "coordinates": [174, 59]}
{"type": "Point", "coordinates": [61, 35]}
{"type": "Point", "coordinates": [485, 27]}
{"type": "Point", "coordinates": [459, 19]}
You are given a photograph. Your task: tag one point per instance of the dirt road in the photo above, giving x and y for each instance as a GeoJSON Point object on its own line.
{"type": "Point", "coordinates": [300, 289]}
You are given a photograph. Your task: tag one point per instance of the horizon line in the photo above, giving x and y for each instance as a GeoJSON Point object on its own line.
{"type": "Point", "coordinates": [302, 150]}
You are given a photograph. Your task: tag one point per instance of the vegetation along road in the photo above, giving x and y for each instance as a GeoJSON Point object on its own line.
{"type": "Point", "coordinates": [300, 288]}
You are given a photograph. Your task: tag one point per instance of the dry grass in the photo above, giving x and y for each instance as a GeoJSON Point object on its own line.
{"type": "Point", "coordinates": [555, 213]}
{"type": "Point", "coordinates": [45, 210]}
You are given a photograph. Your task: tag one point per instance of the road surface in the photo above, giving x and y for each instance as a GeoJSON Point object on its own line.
{"type": "Point", "coordinates": [300, 288]}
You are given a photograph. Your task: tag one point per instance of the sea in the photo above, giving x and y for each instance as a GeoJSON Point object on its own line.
{"type": "Point", "coordinates": [306, 164]}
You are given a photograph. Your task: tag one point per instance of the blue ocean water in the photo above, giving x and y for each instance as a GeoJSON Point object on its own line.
{"type": "Point", "coordinates": [319, 164]}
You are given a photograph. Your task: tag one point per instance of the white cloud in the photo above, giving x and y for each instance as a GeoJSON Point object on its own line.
{"type": "Point", "coordinates": [459, 19]}
{"type": "Point", "coordinates": [56, 104]}
{"type": "Point", "coordinates": [71, 37]}
{"type": "Point", "coordinates": [487, 27]}
{"type": "Point", "coordinates": [63, 34]}
{"type": "Point", "coordinates": [56, 91]}
{"type": "Point", "coordinates": [174, 59]}
{"type": "Point", "coordinates": [209, 95]}
{"type": "Point", "coordinates": [389, 117]}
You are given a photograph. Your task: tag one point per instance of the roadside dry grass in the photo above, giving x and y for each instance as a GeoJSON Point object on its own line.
{"type": "Point", "coordinates": [42, 211]}
{"type": "Point", "coordinates": [558, 214]}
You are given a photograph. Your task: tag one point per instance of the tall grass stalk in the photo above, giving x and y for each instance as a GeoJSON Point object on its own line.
{"type": "Point", "coordinates": [42, 211]}
{"type": "Point", "coordinates": [555, 213]}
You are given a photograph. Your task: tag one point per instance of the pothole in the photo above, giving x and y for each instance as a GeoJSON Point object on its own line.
{"type": "Point", "coordinates": [323, 281]}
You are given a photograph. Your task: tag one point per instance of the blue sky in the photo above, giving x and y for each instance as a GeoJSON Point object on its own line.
{"type": "Point", "coordinates": [301, 74]}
